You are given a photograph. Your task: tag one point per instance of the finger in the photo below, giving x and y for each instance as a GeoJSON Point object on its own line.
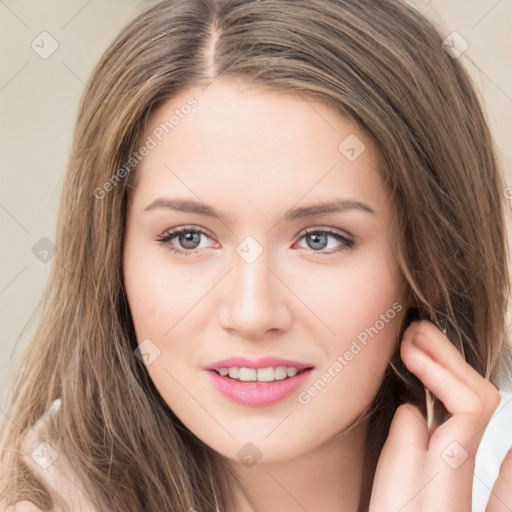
{"type": "Point", "coordinates": [469, 417]}
{"type": "Point", "coordinates": [400, 468]}
{"type": "Point", "coordinates": [453, 445]}
{"type": "Point", "coordinates": [430, 339]}
{"type": "Point", "coordinates": [447, 387]}
{"type": "Point", "coordinates": [438, 348]}
{"type": "Point", "coordinates": [451, 484]}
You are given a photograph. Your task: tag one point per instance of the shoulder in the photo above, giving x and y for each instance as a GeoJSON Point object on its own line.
{"type": "Point", "coordinates": [501, 496]}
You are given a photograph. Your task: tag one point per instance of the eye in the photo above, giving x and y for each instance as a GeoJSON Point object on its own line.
{"type": "Point", "coordinates": [188, 238]}
{"type": "Point", "coordinates": [318, 240]}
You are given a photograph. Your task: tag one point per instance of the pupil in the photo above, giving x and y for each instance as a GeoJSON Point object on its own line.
{"type": "Point", "coordinates": [188, 238]}
{"type": "Point", "coordinates": [316, 243]}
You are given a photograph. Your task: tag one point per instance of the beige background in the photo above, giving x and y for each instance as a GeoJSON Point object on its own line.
{"type": "Point", "coordinates": [39, 97]}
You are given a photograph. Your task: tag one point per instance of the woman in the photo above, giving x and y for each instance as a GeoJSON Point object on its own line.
{"type": "Point", "coordinates": [281, 276]}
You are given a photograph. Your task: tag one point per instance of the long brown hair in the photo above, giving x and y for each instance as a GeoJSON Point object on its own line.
{"type": "Point", "coordinates": [377, 62]}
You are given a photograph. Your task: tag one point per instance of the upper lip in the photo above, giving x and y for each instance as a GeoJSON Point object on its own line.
{"type": "Point", "coordinates": [262, 362]}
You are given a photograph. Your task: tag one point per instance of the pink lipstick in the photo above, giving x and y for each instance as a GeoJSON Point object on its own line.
{"type": "Point", "coordinates": [257, 393]}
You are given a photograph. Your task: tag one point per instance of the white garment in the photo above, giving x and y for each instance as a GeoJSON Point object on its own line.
{"type": "Point", "coordinates": [494, 446]}
{"type": "Point", "coordinates": [68, 494]}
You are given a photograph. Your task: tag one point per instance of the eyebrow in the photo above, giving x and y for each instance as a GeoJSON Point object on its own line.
{"type": "Point", "coordinates": [200, 208]}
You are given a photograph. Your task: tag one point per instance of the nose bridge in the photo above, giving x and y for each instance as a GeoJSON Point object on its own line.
{"type": "Point", "coordinates": [253, 302]}
{"type": "Point", "coordinates": [252, 279]}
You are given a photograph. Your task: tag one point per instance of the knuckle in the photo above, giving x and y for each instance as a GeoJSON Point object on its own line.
{"type": "Point", "coordinates": [492, 399]}
{"type": "Point", "coordinates": [483, 405]}
{"type": "Point", "coordinates": [473, 405]}
{"type": "Point", "coordinates": [427, 328]}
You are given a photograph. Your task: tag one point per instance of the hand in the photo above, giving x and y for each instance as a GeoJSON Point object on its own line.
{"type": "Point", "coordinates": [434, 473]}
{"type": "Point", "coordinates": [22, 506]}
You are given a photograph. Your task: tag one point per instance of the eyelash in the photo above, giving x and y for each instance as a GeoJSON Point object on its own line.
{"type": "Point", "coordinates": [165, 240]}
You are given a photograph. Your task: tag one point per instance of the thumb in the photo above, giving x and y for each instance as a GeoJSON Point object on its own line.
{"type": "Point", "coordinates": [400, 467]}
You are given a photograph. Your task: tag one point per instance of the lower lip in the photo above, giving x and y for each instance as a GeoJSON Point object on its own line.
{"type": "Point", "coordinates": [258, 394]}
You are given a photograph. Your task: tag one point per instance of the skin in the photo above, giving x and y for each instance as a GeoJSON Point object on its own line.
{"type": "Point", "coordinates": [254, 155]}
{"type": "Point", "coordinates": [412, 473]}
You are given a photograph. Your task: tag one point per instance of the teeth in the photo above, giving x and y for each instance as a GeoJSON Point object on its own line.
{"type": "Point", "coordinates": [291, 372]}
{"type": "Point", "coordinates": [260, 374]}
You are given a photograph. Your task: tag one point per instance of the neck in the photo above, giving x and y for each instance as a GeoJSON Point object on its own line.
{"type": "Point", "coordinates": [329, 477]}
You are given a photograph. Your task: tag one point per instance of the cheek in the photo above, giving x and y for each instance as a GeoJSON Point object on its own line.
{"type": "Point", "coordinates": [363, 312]}
{"type": "Point", "coordinates": [351, 296]}
{"type": "Point", "coordinates": [376, 308]}
{"type": "Point", "coordinates": [159, 294]}
{"type": "Point", "coordinates": [367, 303]}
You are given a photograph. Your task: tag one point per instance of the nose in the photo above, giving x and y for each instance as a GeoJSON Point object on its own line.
{"type": "Point", "coordinates": [256, 301]}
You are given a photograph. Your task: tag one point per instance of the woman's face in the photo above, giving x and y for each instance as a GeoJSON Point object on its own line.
{"type": "Point", "coordinates": [284, 254]}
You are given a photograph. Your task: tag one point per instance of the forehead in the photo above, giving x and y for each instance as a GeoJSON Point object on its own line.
{"type": "Point", "coordinates": [235, 144]}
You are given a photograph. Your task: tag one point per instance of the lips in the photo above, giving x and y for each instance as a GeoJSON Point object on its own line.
{"type": "Point", "coordinates": [258, 394]}
{"type": "Point", "coordinates": [263, 362]}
